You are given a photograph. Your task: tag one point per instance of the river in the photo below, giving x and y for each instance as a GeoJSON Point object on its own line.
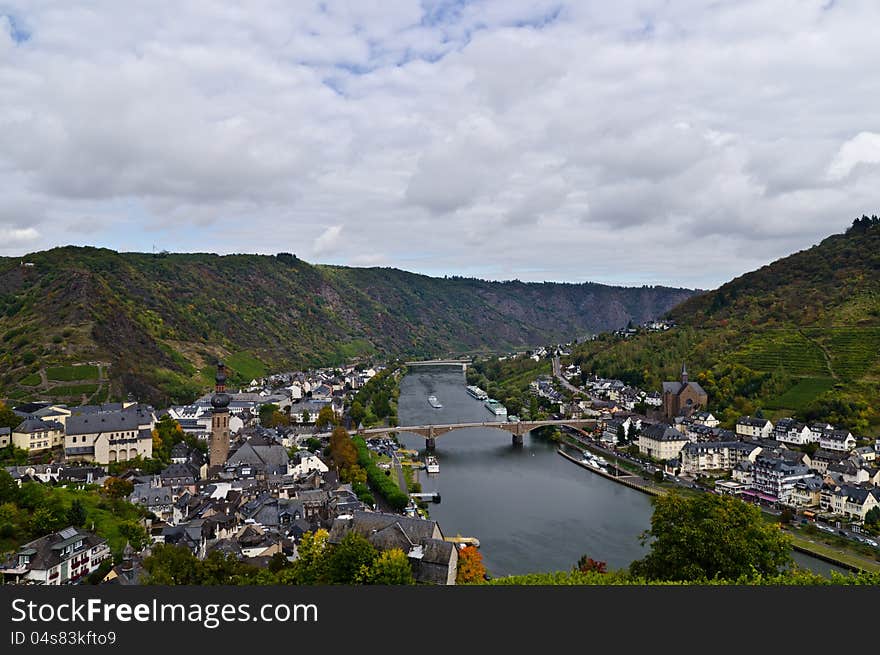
{"type": "Point", "coordinates": [532, 510]}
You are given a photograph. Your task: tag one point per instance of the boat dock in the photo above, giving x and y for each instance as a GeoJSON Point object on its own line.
{"type": "Point", "coordinates": [463, 541]}
{"type": "Point", "coordinates": [631, 481]}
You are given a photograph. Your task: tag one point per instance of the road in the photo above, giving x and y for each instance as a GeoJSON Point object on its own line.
{"type": "Point", "coordinates": [557, 373]}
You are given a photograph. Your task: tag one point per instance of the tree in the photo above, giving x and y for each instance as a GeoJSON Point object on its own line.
{"type": "Point", "coordinates": [8, 418]}
{"type": "Point", "coordinates": [326, 418]}
{"type": "Point", "coordinates": [313, 444]}
{"type": "Point", "coordinates": [658, 476]}
{"type": "Point", "coordinates": [470, 566]}
{"type": "Point", "coordinates": [306, 417]}
{"type": "Point", "coordinates": [135, 534]}
{"type": "Point", "coordinates": [391, 567]}
{"type": "Point", "coordinates": [347, 559]}
{"type": "Point", "coordinates": [786, 516]}
{"type": "Point", "coordinates": [118, 488]}
{"type": "Point", "coordinates": [709, 536]}
{"type": "Point", "coordinates": [171, 565]}
{"type": "Point", "coordinates": [310, 567]}
{"type": "Point", "coordinates": [267, 411]}
{"type": "Point", "coordinates": [45, 521]}
{"type": "Point", "coordinates": [8, 488]}
{"type": "Point", "coordinates": [872, 520]}
{"type": "Point", "coordinates": [356, 412]}
{"type": "Point", "coordinates": [76, 514]}
{"type": "Point", "coordinates": [589, 565]}
{"type": "Point", "coordinates": [621, 434]}
{"type": "Point", "coordinates": [342, 450]}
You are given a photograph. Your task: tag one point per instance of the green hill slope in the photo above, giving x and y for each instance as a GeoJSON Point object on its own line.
{"type": "Point", "coordinates": [800, 336]}
{"type": "Point", "coordinates": [87, 324]}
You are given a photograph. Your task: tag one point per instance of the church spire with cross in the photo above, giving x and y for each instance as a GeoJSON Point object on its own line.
{"type": "Point", "coordinates": [684, 373]}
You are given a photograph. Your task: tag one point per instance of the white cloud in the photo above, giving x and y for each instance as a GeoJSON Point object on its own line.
{"type": "Point", "coordinates": [327, 241]}
{"type": "Point", "coordinates": [864, 148]}
{"type": "Point", "coordinates": [581, 140]}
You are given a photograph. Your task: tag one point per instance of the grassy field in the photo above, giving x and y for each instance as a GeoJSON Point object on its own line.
{"type": "Point", "coordinates": [69, 373]}
{"type": "Point", "coordinates": [74, 390]}
{"type": "Point", "coordinates": [31, 380]}
{"type": "Point", "coordinates": [801, 394]}
{"type": "Point", "coordinates": [246, 365]}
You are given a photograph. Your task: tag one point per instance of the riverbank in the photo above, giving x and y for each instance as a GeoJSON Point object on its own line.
{"type": "Point", "coordinates": [844, 559]}
{"type": "Point", "coordinates": [631, 481]}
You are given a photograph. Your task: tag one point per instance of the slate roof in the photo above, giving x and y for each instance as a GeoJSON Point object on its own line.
{"type": "Point", "coordinates": [37, 425]}
{"type": "Point", "coordinates": [45, 552]}
{"type": "Point", "coordinates": [661, 432]}
{"type": "Point", "coordinates": [121, 421]}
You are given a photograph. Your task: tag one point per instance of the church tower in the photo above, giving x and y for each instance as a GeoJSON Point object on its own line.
{"type": "Point", "coordinates": [218, 448]}
{"type": "Point", "coordinates": [684, 374]}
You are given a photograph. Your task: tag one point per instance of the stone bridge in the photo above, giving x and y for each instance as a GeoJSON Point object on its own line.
{"type": "Point", "coordinates": [431, 432]}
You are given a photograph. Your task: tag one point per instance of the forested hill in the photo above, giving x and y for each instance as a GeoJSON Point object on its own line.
{"type": "Point", "coordinates": [834, 283]}
{"type": "Point", "coordinates": [159, 322]}
{"type": "Point", "coordinates": [800, 337]}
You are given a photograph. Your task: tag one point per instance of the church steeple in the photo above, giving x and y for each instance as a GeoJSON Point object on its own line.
{"type": "Point", "coordinates": [218, 446]}
{"type": "Point", "coordinates": [684, 374]}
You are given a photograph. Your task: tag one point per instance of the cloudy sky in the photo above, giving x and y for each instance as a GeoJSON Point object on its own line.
{"type": "Point", "coordinates": [627, 142]}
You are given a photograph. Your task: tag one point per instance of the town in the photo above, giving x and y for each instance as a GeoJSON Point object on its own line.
{"type": "Point", "coordinates": [249, 473]}
{"type": "Point", "coordinates": [239, 480]}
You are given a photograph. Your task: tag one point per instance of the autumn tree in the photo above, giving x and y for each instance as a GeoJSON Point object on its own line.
{"type": "Point", "coordinates": [589, 565]}
{"type": "Point", "coordinates": [708, 537]}
{"type": "Point", "coordinates": [117, 487]}
{"type": "Point", "coordinates": [342, 450]}
{"type": "Point", "coordinates": [470, 566]}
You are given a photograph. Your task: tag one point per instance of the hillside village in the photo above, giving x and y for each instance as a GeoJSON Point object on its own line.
{"type": "Point", "coordinates": [274, 485]}
{"type": "Point", "coordinates": [816, 469]}
{"type": "Point", "coordinates": [273, 482]}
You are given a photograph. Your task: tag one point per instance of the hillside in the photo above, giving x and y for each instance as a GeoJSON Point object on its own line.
{"type": "Point", "coordinates": [87, 324]}
{"type": "Point", "coordinates": [799, 336]}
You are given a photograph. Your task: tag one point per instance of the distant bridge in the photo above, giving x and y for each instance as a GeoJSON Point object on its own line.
{"type": "Point", "coordinates": [442, 362]}
{"type": "Point", "coordinates": [431, 432]}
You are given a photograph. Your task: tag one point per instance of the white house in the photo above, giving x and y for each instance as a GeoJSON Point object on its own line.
{"type": "Point", "coordinates": [661, 442]}
{"type": "Point", "coordinates": [787, 430]}
{"type": "Point", "coordinates": [59, 558]}
{"type": "Point", "coordinates": [748, 426]}
{"type": "Point", "coordinates": [837, 440]}
{"type": "Point", "coordinates": [305, 462]}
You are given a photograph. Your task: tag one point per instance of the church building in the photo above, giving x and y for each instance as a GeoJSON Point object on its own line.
{"type": "Point", "coordinates": [683, 398]}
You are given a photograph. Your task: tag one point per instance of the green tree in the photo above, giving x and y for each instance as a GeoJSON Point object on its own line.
{"type": "Point", "coordinates": [313, 444]}
{"type": "Point", "coordinates": [8, 488]}
{"type": "Point", "coordinates": [348, 557]}
{"type": "Point", "coordinates": [171, 565]}
{"type": "Point", "coordinates": [872, 520]}
{"type": "Point", "coordinates": [356, 412]}
{"type": "Point", "coordinates": [310, 567]}
{"type": "Point", "coordinates": [326, 418]}
{"type": "Point", "coordinates": [135, 534]}
{"type": "Point", "coordinates": [391, 567]}
{"type": "Point", "coordinates": [76, 514]}
{"type": "Point", "coordinates": [709, 536]}
{"type": "Point", "coordinates": [266, 412]}
{"type": "Point", "coordinates": [46, 520]}
{"type": "Point", "coordinates": [8, 418]}
{"type": "Point", "coordinates": [306, 417]}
